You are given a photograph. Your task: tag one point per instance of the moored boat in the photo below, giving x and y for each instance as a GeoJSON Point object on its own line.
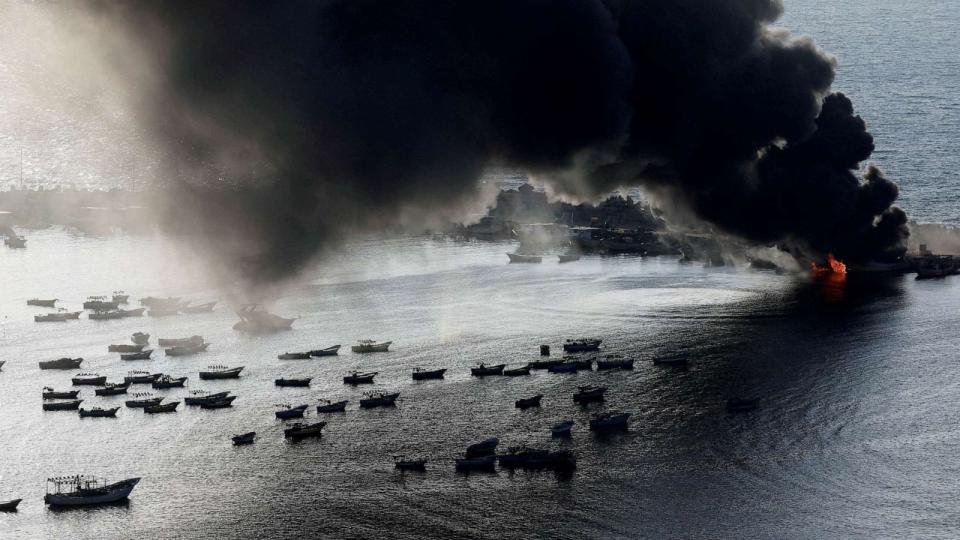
{"type": "Point", "coordinates": [516, 372]}
{"type": "Point", "coordinates": [255, 319]}
{"type": "Point", "coordinates": [186, 350]}
{"type": "Point", "coordinates": [42, 303]}
{"type": "Point", "coordinates": [288, 412]}
{"type": "Point", "coordinates": [98, 412]}
{"type": "Point", "coordinates": [219, 404]}
{"type": "Point", "coordinates": [220, 372]}
{"type": "Point", "coordinates": [564, 367]}
{"type": "Point", "coordinates": [161, 408]}
{"type": "Point", "coordinates": [89, 379]}
{"type": "Point", "coordinates": [543, 364]}
{"type": "Point", "coordinates": [61, 363]}
{"type": "Point", "coordinates": [199, 397]}
{"type": "Point", "coordinates": [581, 345]}
{"type": "Point", "coordinates": [143, 400]}
{"type": "Point", "coordinates": [485, 447]}
{"type": "Point", "coordinates": [105, 315]}
{"type": "Point", "coordinates": [166, 381]}
{"type": "Point", "coordinates": [9, 506]}
{"type": "Point", "coordinates": [420, 374]}
{"type": "Point", "coordinates": [379, 399]}
{"type": "Point", "coordinates": [137, 312]}
{"type": "Point", "coordinates": [305, 381]}
{"type": "Point", "coordinates": [71, 405]}
{"type": "Point", "coordinates": [246, 438]}
{"type": "Point", "coordinates": [483, 370]}
{"type": "Point", "coordinates": [112, 389]}
{"type": "Point", "coordinates": [614, 363]}
{"type": "Point", "coordinates": [370, 346]}
{"type": "Point", "coordinates": [100, 303]}
{"type": "Point", "coordinates": [15, 242]}
{"type": "Point", "coordinates": [301, 431]}
{"type": "Point", "coordinates": [609, 422]}
{"type": "Point", "coordinates": [192, 341]}
{"type": "Point", "coordinates": [124, 348]}
{"type": "Point", "coordinates": [517, 258]}
{"type": "Point", "coordinates": [400, 462]}
{"type": "Point", "coordinates": [294, 356]}
{"type": "Point", "coordinates": [673, 361]}
{"type": "Point", "coordinates": [329, 351]}
{"type": "Point", "coordinates": [562, 429]}
{"type": "Point", "coordinates": [330, 407]}
{"type": "Point", "coordinates": [141, 377]}
{"type": "Point", "coordinates": [83, 490]}
{"type": "Point", "coordinates": [589, 394]}
{"type": "Point", "coordinates": [61, 316]}
{"type": "Point", "coordinates": [142, 355]}
{"type": "Point", "coordinates": [526, 403]}
{"type": "Point", "coordinates": [356, 377]}
{"type": "Point", "coordinates": [50, 393]}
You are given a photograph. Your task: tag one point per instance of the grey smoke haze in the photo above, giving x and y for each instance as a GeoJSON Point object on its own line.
{"type": "Point", "coordinates": [292, 122]}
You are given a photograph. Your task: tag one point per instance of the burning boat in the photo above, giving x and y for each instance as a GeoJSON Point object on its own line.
{"type": "Point", "coordinates": [255, 319]}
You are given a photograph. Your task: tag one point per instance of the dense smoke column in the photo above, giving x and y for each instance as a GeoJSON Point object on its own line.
{"type": "Point", "coordinates": [292, 122]}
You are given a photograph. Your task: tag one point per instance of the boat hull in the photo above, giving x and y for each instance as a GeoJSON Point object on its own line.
{"type": "Point", "coordinates": [214, 375]}
{"type": "Point", "coordinates": [339, 406]}
{"type": "Point", "coordinates": [329, 351]}
{"type": "Point", "coordinates": [371, 348]}
{"type": "Point", "coordinates": [112, 493]}
{"type": "Point", "coordinates": [425, 375]}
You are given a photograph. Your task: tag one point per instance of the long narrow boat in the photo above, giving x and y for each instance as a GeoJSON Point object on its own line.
{"type": "Point", "coordinates": [370, 346]}
{"type": "Point", "coordinates": [42, 303]}
{"type": "Point", "coordinates": [291, 412]}
{"type": "Point", "coordinates": [609, 422]}
{"type": "Point", "coordinates": [483, 463]}
{"type": "Point", "coordinates": [137, 312]}
{"type": "Point", "coordinates": [142, 355]}
{"type": "Point", "coordinates": [105, 315]}
{"type": "Point", "coordinates": [221, 372]}
{"type": "Point", "coordinates": [141, 377]}
{"type": "Point", "coordinates": [543, 364]}
{"type": "Point", "coordinates": [166, 381]}
{"type": "Point", "coordinates": [423, 374]}
{"type": "Point", "coordinates": [57, 317]}
{"type": "Point", "coordinates": [9, 506]}
{"type": "Point", "coordinates": [246, 438]}
{"type": "Point", "coordinates": [98, 412]}
{"type": "Point", "coordinates": [142, 402]}
{"type": "Point", "coordinates": [199, 397]}
{"type": "Point", "coordinates": [483, 370]}
{"type": "Point", "coordinates": [614, 363]}
{"type": "Point", "coordinates": [294, 356]}
{"type": "Point", "coordinates": [112, 389]}
{"type": "Point", "coordinates": [516, 372]}
{"type": "Point", "coordinates": [331, 407]}
{"type": "Point", "coordinates": [329, 351]}
{"type": "Point", "coordinates": [219, 404]}
{"type": "Point", "coordinates": [71, 405]}
{"type": "Point", "coordinates": [192, 341]}
{"type": "Point", "coordinates": [125, 348]}
{"type": "Point", "coordinates": [517, 258]}
{"type": "Point", "coordinates": [359, 378]}
{"type": "Point", "coordinates": [581, 345]}
{"type": "Point", "coordinates": [100, 303]}
{"type": "Point", "coordinates": [300, 431]}
{"type": "Point", "coordinates": [50, 393]}
{"type": "Point", "coordinates": [86, 490]}
{"type": "Point", "coordinates": [379, 399]}
{"type": "Point", "coordinates": [162, 408]}
{"type": "Point", "coordinates": [589, 394]}
{"type": "Point", "coordinates": [400, 462]}
{"type": "Point", "coordinates": [186, 351]}
{"type": "Point", "coordinates": [305, 381]}
{"type": "Point", "coordinates": [89, 379]}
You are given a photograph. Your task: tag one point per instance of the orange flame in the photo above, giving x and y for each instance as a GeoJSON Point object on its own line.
{"type": "Point", "coordinates": [833, 266]}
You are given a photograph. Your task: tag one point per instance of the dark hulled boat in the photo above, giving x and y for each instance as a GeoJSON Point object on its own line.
{"type": "Point", "coordinates": [329, 351]}
{"type": "Point", "coordinates": [97, 412]}
{"type": "Point", "coordinates": [89, 379]}
{"type": "Point", "coordinates": [379, 399]}
{"type": "Point", "coordinates": [200, 397]}
{"type": "Point", "coordinates": [42, 303]}
{"type": "Point", "coordinates": [305, 381]}
{"type": "Point", "coordinates": [71, 405]}
{"type": "Point", "coordinates": [142, 355]}
{"type": "Point", "coordinates": [50, 393]}
{"type": "Point", "coordinates": [331, 407]}
{"type": "Point", "coordinates": [186, 350]}
{"type": "Point", "coordinates": [526, 403]}
{"type": "Point", "coordinates": [291, 412]}
{"type": "Point", "coordinates": [589, 394]}
{"type": "Point", "coordinates": [112, 389]}
{"type": "Point", "coordinates": [62, 363]}
{"type": "Point", "coordinates": [166, 381]}
{"type": "Point", "coordinates": [143, 401]}
{"type": "Point", "coordinates": [141, 377]}
{"type": "Point", "coordinates": [219, 404]}
{"type": "Point", "coordinates": [359, 378]}
{"type": "Point", "coordinates": [301, 431]}
{"type": "Point", "coordinates": [85, 491]}
{"type": "Point", "coordinates": [422, 374]}
{"type": "Point", "coordinates": [581, 345]}
{"type": "Point", "coordinates": [294, 356]}
{"type": "Point", "coordinates": [246, 438]}
{"type": "Point", "coordinates": [161, 408]}
{"type": "Point", "coordinates": [483, 370]}
{"type": "Point", "coordinates": [517, 372]}
{"type": "Point", "coordinates": [220, 372]}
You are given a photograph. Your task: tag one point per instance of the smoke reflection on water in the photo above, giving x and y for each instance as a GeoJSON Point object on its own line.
{"type": "Point", "coordinates": [824, 362]}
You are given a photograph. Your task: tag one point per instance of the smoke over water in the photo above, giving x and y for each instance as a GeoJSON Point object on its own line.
{"type": "Point", "coordinates": [291, 123]}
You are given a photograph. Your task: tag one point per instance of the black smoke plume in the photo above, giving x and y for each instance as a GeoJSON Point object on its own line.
{"type": "Point", "coordinates": [292, 122]}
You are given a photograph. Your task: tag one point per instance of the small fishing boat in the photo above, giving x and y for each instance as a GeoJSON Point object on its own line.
{"type": "Point", "coordinates": [71, 405]}
{"type": "Point", "coordinates": [141, 377]}
{"type": "Point", "coordinates": [294, 356]}
{"type": "Point", "coordinates": [581, 345]}
{"type": "Point", "coordinates": [219, 404]}
{"type": "Point", "coordinates": [543, 364]}
{"type": "Point", "coordinates": [202, 308]}
{"type": "Point", "coordinates": [420, 374]}
{"type": "Point", "coordinates": [255, 319]}
{"type": "Point", "coordinates": [166, 381]}
{"type": "Point", "coordinates": [483, 448]}
{"type": "Point", "coordinates": [137, 312]}
{"type": "Point", "coordinates": [370, 346]}
{"type": "Point", "coordinates": [192, 341]}
{"type": "Point", "coordinates": [100, 303]}
{"type": "Point", "coordinates": [50, 393]}
{"type": "Point", "coordinates": [569, 257]}
{"type": "Point", "coordinates": [61, 316]}
{"type": "Point", "coordinates": [89, 379]}
{"type": "Point", "coordinates": [517, 258]}
{"type": "Point", "coordinates": [246, 438]}
{"type": "Point", "coordinates": [97, 412]}
{"type": "Point", "coordinates": [526, 403]}
{"type": "Point", "coordinates": [199, 397]}
{"type": "Point", "coordinates": [672, 361]}
{"type": "Point", "coordinates": [400, 462]}
{"type": "Point", "coordinates": [124, 348]}
{"type": "Point", "coordinates": [83, 490]}
{"type": "Point", "coordinates": [359, 378]}
{"type": "Point", "coordinates": [120, 297]}
{"type": "Point", "coordinates": [305, 381]}
{"type": "Point", "coordinates": [379, 399]}
{"type": "Point", "coordinates": [301, 431]}
{"type": "Point", "coordinates": [142, 355]}
{"type": "Point", "coordinates": [187, 350]}
{"type": "Point", "coordinates": [220, 372]}
{"type": "Point", "coordinates": [329, 351]}
{"type": "Point", "coordinates": [290, 412]}
{"type": "Point", "coordinates": [42, 303]}
{"type": "Point", "coordinates": [562, 429]}
{"type": "Point", "coordinates": [143, 400]}
{"type": "Point", "coordinates": [483, 370]}
{"type": "Point", "coordinates": [139, 338]}
{"type": "Point", "coordinates": [105, 315]}
{"type": "Point", "coordinates": [112, 389]}
{"type": "Point", "coordinates": [9, 506]}
{"type": "Point", "coordinates": [484, 463]}
{"type": "Point", "coordinates": [331, 407]}
{"type": "Point", "coordinates": [589, 394]}
{"type": "Point", "coordinates": [614, 363]}
{"type": "Point", "coordinates": [609, 422]}
{"type": "Point", "coordinates": [516, 372]}
{"type": "Point", "coordinates": [738, 405]}
{"type": "Point", "coordinates": [61, 363]}
{"type": "Point", "coordinates": [161, 408]}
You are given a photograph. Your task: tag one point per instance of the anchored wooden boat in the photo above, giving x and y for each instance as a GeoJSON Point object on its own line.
{"type": "Point", "coordinates": [199, 397]}
{"type": "Point", "coordinates": [97, 412]}
{"type": "Point", "coordinates": [124, 348]}
{"type": "Point", "coordinates": [331, 407]}
{"type": "Point", "coordinates": [614, 363]}
{"type": "Point", "coordinates": [166, 381]}
{"type": "Point", "coordinates": [570, 367]}
{"type": "Point", "coordinates": [220, 372]}
{"type": "Point", "coordinates": [42, 303]}
{"type": "Point", "coordinates": [291, 412]}
{"type": "Point", "coordinates": [329, 351]}
{"type": "Point", "coordinates": [301, 431]}
{"type": "Point", "coordinates": [142, 355]}
{"type": "Point", "coordinates": [589, 394]}
{"type": "Point", "coordinates": [137, 312]}
{"type": "Point", "coordinates": [105, 315]}
{"type": "Point", "coordinates": [141, 377]}
{"type": "Point", "coordinates": [305, 381]}
{"type": "Point", "coordinates": [255, 319]}
{"type": "Point", "coordinates": [379, 399]}
{"type": "Point", "coordinates": [246, 438]}
{"type": "Point", "coordinates": [89, 379]}
{"type": "Point", "coordinates": [143, 401]}
{"type": "Point", "coordinates": [219, 404]}
{"type": "Point", "coordinates": [517, 258]}
{"type": "Point", "coordinates": [422, 374]}
{"type": "Point", "coordinates": [192, 341]}
{"type": "Point", "coordinates": [50, 393]}
{"type": "Point", "coordinates": [161, 408]}
{"type": "Point", "coordinates": [112, 389]}
{"type": "Point", "coordinates": [400, 462]}
{"type": "Point", "coordinates": [516, 372]}
{"type": "Point", "coordinates": [581, 345]}
{"type": "Point", "coordinates": [83, 490]}
{"type": "Point", "coordinates": [100, 303]}
{"type": "Point", "coordinates": [483, 370]}
{"type": "Point", "coordinates": [370, 346]}
{"type": "Point", "coordinates": [359, 378]}
{"type": "Point", "coordinates": [9, 506]}
{"type": "Point", "coordinates": [62, 316]}
{"type": "Point", "coordinates": [294, 356]}
{"type": "Point", "coordinates": [526, 403]}
{"type": "Point", "coordinates": [544, 364]}
{"type": "Point", "coordinates": [186, 350]}
{"type": "Point", "coordinates": [62, 405]}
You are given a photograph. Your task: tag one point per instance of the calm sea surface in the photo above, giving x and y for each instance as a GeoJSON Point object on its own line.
{"type": "Point", "coordinates": [856, 435]}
